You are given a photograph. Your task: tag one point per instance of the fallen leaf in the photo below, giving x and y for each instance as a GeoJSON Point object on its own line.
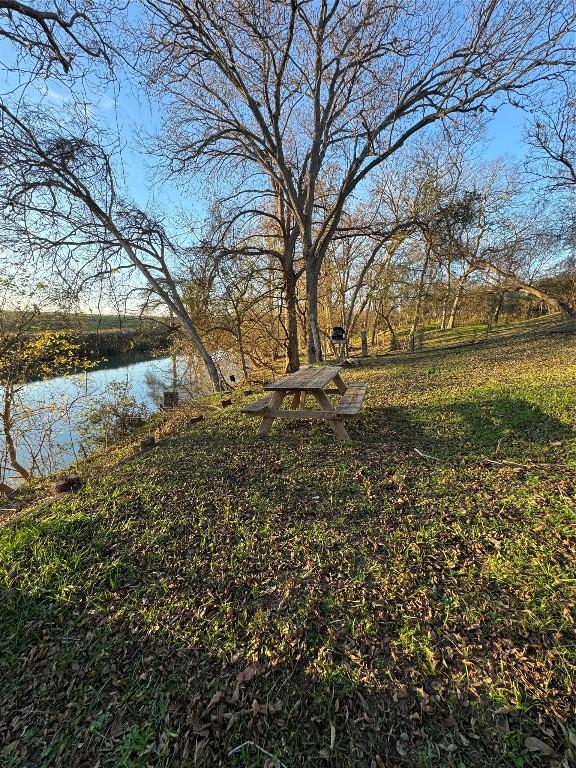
{"type": "Point", "coordinates": [216, 699]}
{"type": "Point", "coordinates": [533, 744]}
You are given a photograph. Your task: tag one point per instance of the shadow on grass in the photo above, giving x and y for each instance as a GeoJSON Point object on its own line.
{"type": "Point", "coordinates": [190, 604]}
{"type": "Point", "coordinates": [472, 426]}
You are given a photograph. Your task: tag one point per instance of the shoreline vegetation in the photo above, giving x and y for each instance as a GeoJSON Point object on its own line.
{"type": "Point", "coordinates": [407, 598]}
{"type": "Point", "coordinates": [99, 337]}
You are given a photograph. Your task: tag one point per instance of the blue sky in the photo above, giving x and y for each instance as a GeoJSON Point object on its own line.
{"type": "Point", "coordinates": [505, 134]}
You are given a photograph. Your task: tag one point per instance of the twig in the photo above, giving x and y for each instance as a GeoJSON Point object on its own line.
{"type": "Point", "coordinates": [535, 465]}
{"type": "Point", "coordinates": [426, 455]}
{"type": "Point", "coordinates": [260, 749]}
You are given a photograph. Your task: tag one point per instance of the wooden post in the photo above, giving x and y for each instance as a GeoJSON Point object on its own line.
{"type": "Point", "coordinates": [171, 399]}
{"type": "Point", "coordinates": [336, 424]}
{"type": "Point", "coordinates": [364, 339]}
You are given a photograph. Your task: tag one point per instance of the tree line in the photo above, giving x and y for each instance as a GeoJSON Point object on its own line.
{"type": "Point", "coordinates": [333, 140]}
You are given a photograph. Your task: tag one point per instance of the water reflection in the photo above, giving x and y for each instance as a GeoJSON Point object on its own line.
{"type": "Point", "coordinates": [48, 414]}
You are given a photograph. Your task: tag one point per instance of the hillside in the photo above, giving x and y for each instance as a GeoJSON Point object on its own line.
{"type": "Point", "coordinates": [406, 599]}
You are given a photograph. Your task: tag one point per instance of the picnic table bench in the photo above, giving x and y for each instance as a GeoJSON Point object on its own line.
{"type": "Point", "coordinates": [314, 381]}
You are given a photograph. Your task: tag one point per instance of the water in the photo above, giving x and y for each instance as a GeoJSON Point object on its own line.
{"type": "Point", "coordinates": [48, 414]}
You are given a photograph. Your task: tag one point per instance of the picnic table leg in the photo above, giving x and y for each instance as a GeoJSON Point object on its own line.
{"type": "Point", "coordinates": [297, 400]}
{"type": "Point", "coordinates": [340, 384]}
{"type": "Point", "coordinates": [337, 426]}
{"type": "Point", "coordinates": [273, 405]}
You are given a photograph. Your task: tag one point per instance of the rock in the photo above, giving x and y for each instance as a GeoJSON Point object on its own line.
{"type": "Point", "coordinates": [60, 486]}
{"type": "Point", "coordinates": [75, 482]}
{"type": "Point", "coordinates": [66, 484]}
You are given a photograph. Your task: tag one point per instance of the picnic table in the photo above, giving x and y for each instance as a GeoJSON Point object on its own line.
{"type": "Point", "coordinates": [314, 381]}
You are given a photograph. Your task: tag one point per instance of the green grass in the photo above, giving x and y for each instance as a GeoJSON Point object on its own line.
{"type": "Point", "coordinates": [334, 604]}
{"type": "Point", "coordinates": [80, 322]}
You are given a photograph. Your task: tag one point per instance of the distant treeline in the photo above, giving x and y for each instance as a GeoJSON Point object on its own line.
{"type": "Point", "coordinates": [95, 345]}
{"type": "Point", "coordinates": [41, 336]}
{"type": "Point", "coordinates": [98, 335]}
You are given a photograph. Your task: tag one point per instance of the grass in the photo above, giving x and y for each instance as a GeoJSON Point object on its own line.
{"type": "Point", "coordinates": [82, 322]}
{"type": "Point", "coordinates": [332, 604]}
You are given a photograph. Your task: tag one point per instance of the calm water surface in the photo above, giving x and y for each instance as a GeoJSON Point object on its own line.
{"type": "Point", "coordinates": [52, 411]}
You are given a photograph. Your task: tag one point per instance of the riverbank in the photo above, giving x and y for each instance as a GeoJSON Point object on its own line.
{"type": "Point", "coordinates": [98, 338]}
{"type": "Point", "coordinates": [55, 423]}
{"type": "Point", "coordinates": [407, 598]}
{"type": "Point", "coordinates": [95, 345]}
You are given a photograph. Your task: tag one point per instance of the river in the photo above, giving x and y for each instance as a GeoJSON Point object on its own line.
{"type": "Point", "coordinates": [49, 414]}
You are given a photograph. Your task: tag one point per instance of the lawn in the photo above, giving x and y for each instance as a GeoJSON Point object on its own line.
{"type": "Point", "coordinates": [407, 599]}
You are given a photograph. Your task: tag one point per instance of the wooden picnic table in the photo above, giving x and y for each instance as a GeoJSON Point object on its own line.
{"type": "Point", "coordinates": [313, 381]}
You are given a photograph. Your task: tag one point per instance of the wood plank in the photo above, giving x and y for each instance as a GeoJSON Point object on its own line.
{"type": "Point", "coordinates": [336, 424]}
{"type": "Point", "coordinates": [352, 399]}
{"type": "Point", "coordinates": [298, 400]}
{"type": "Point", "coordinates": [275, 403]}
{"type": "Point", "coordinates": [305, 413]}
{"type": "Point", "coordinates": [322, 377]}
{"type": "Point", "coordinates": [292, 380]}
{"type": "Point", "coordinates": [257, 406]}
{"type": "Point", "coordinates": [307, 379]}
{"type": "Point", "coordinates": [340, 385]}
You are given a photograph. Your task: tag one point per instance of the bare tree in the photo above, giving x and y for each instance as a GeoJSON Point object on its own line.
{"type": "Point", "coordinates": [318, 94]}
{"type": "Point", "coordinates": [259, 223]}
{"type": "Point", "coordinates": [58, 195]}
{"type": "Point", "coordinates": [55, 36]}
{"type": "Point", "coordinates": [553, 137]}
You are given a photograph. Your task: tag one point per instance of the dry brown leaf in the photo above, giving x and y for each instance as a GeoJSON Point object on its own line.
{"type": "Point", "coordinates": [247, 674]}
{"type": "Point", "coordinates": [216, 699]}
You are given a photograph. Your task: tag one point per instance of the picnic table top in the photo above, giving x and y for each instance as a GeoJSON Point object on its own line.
{"type": "Point", "coordinates": [307, 378]}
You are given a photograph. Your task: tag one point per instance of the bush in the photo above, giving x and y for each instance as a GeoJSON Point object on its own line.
{"type": "Point", "coordinates": [118, 416]}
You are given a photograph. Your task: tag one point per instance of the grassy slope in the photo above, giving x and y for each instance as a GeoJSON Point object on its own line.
{"type": "Point", "coordinates": [338, 605]}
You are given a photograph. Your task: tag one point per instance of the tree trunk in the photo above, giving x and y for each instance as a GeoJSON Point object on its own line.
{"type": "Point", "coordinates": [377, 311]}
{"type": "Point", "coordinates": [419, 295]}
{"type": "Point", "coordinates": [169, 295]}
{"type": "Point", "coordinates": [393, 337]}
{"type": "Point", "coordinates": [314, 341]}
{"type": "Point", "coordinates": [240, 338]}
{"type": "Point", "coordinates": [456, 303]}
{"type": "Point", "coordinates": [8, 437]}
{"type": "Point", "coordinates": [206, 357]}
{"type": "Point", "coordinates": [498, 307]}
{"type": "Point", "coordinates": [515, 284]}
{"type": "Point", "coordinates": [364, 342]}
{"type": "Point", "coordinates": [444, 318]}
{"type": "Point", "coordinates": [292, 347]}
{"type": "Point", "coordinates": [6, 489]}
